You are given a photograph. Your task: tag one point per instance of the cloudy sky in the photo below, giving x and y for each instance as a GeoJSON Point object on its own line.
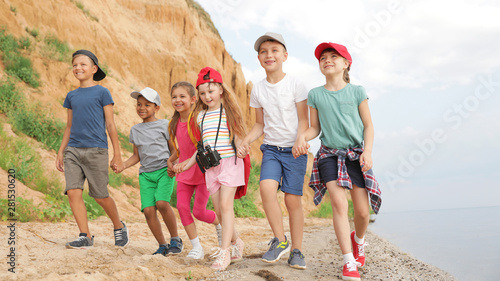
{"type": "Point", "coordinates": [431, 69]}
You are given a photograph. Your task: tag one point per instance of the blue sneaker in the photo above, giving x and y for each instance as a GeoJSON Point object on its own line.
{"type": "Point", "coordinates": [162, 250]}
{"type": "Point", "coordinates": [175, 247]}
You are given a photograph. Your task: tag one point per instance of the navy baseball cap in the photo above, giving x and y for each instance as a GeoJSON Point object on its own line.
{"type": "Point", "coordinates": [99, 75]}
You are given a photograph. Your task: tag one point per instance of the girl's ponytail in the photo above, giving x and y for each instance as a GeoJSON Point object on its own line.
{"type": "Point", "coordinates": [346, 75]}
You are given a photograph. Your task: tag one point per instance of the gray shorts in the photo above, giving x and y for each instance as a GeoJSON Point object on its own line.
{"type": "Point", "coordinates": [89, 163]}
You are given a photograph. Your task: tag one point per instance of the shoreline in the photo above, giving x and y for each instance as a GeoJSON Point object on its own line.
{"type": "Point", "coordinates": [41, 255]}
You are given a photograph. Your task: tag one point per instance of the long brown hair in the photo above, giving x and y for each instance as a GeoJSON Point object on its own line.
{"type": "Point", "coordinates": [232, 109]}
{"type": "Point", "coordinates": [172, 126]}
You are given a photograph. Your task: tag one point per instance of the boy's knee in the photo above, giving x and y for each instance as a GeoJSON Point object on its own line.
{"type": "Point", "coordinates": [162, 205]}
{"type": "Point", "coordinates": [74, 193]}
{"type": "Point", "coordinates": [149, 211]}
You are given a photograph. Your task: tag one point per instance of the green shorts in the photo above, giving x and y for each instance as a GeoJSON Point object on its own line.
{"type": "Point", "coordinates": [155, 186]}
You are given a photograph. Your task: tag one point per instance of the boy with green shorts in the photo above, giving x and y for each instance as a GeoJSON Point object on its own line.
{"type": "Point", "coordinates": [152, 148]}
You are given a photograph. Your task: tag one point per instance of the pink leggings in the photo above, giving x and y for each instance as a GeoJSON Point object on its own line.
{"type": "Point", "coordinates": [200, 212]}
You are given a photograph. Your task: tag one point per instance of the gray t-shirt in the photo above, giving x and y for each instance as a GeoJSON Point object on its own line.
{"type": "Point", "coordinates": [151, 139]}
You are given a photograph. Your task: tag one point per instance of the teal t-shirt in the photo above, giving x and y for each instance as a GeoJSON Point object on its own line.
{"type": "Point", "coordinates": [341, 125]}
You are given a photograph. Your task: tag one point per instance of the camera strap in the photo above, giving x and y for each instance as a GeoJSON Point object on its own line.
{"type": "Point", "coordinates": [218, 127]}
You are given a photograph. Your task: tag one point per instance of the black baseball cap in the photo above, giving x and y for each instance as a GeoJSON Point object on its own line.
{"type": "Point", "coordinates": [99, 75]}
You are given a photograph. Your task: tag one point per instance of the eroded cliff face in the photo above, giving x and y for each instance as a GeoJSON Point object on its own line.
{"type": "Point", "coordinates": [139, 42]}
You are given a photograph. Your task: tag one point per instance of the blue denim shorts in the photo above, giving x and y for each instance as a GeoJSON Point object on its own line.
{"type": "Point", "coordinates": [278, 164]}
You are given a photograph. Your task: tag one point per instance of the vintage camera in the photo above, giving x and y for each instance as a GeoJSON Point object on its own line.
{"type": "Point", "coordinates": [206, 157]}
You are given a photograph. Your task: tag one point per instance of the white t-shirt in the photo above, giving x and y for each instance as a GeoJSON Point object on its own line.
{"type": "Point", "coordinates": [278, 102]}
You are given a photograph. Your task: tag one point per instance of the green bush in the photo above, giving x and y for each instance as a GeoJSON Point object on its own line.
{"type": "Point", "coordinates": [15, 64]}
{"type": "Point", "coordinates": [55, 48]}
{"type": "Point", "coordinates": [24, 43]}
{"type": "Point", "coordinates": [124, 142]}
{"type": "Point", "coordinates": [34, 32]}
{"type": "Point", "coordinates": [9, 96]}
{"type": "Point", "coordinates": [117, 180]}
{"type": "Point", "coordinates": [34, 122]}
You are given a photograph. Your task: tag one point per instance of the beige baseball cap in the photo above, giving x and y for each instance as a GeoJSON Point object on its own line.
{"type": "Point", "coordinates": [269, 36]}
{"type": "Point", "coordinates": [149, 94]}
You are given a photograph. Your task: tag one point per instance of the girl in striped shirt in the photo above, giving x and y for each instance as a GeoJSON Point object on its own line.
{"type": "Point", "coordinates": [220, 122]}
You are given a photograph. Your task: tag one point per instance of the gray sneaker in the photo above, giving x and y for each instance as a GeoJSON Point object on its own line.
{"type": "Point", "coordinates": [162, 250]}
{"type": "Point", "coordinates": [121, 236]}
{"type": "Point", "coordinates": [175, 247]}
{"type": "Point", "coordinates": [276, 250]}
{"type": "Point", "coordinates": [82, 242]}
{"type": "Point", "coordinates": [296, 259]}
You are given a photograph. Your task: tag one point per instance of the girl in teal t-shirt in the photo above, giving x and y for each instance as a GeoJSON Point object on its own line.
{"type": "Point", "coordinates": [339, 110]}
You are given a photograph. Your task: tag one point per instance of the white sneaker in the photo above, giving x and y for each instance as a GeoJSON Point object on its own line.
{"type": "Point", "coordinates": [196, 253]}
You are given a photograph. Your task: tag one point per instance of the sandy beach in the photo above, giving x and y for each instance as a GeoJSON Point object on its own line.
{"type": "Point", "coordinates": [41, 255]}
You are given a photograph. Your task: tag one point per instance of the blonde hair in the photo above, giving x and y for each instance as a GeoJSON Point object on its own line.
{"type": "Point", "coordinates": [172, 126]}
{"type": "Point", "coordinates": [346, 71]}
{"type": "Point", "coordinates": [233, 112]}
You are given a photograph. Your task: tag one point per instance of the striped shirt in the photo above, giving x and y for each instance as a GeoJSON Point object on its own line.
{"type": "Point", "coordinates": [210, 125]}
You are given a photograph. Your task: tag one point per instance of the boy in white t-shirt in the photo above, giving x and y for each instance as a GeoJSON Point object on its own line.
{"type": "Point", "coordinates": [280, 103]}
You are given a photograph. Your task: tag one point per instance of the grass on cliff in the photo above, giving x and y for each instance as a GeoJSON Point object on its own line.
{"type": "Point", "coordinates": [30, 119]}
{"type": "Point", "coordinates": [204, 16]}
{"type": "Point", "coordinates": [15, 63]}
{"type": "Point", "coordinates": [18, 154]}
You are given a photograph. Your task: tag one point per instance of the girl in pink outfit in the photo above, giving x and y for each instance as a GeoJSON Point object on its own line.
{"type": "Point", "coordinates": [192, 180]}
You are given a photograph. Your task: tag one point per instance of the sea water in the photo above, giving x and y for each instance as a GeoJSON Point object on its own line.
{"type": "Point", "coordinates": [464, 242]}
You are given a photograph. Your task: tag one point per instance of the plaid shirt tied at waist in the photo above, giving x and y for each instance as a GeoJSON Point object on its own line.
{"type": "Point", "coordinates": [343, 180]}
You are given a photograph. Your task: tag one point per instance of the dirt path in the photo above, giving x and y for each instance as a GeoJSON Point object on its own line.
{"type": "Point", "coordinates": [41, 255]}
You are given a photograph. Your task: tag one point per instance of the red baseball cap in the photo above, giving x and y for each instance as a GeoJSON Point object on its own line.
{"type": "Point", "coordinates": [342, 50]}
{"type": "Point", "coordinates": [208, 75]}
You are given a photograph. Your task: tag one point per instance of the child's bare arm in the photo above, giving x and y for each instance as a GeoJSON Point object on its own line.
{"type": "Point", "coordinates": [302, 127]}
{"type": "Point", "coordinates": [134, 159]}
{"type": "Point", "coordinates": [171, 159]}
{"type": "Point", "coordinates": [185, 165]}
{"type": "Point", "coordinates": [257, 130]}
{"type": "Point", "coordinates": [312, 132]}
{"type": "Point", "coordinates": [64, 142]}
{"type": "Point", "coordinates": [368, 135]}
{"type": "Point", "coordinates": [113, 135]}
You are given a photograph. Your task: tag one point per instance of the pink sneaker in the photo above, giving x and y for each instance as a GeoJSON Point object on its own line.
{"type": "Point", "coordinates": [223, 259]}
{"type": "Point", "coordinates": [237, 252]}
{"type": "Point", "coordinates": [350, 271]}
{"type": "Point", "coordinates": [358, 250]}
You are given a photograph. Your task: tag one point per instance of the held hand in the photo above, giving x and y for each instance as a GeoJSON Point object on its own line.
{"type": "Point", "coordinates": [60, 163]}
{"type": "Point", "coordinates": [170, 172]}
{"type": "Point", "coordinates": [300, 147]}
{"type": "Point", "coordinates": [116, 161]}
{"type": "Point", "coordinates": [179, 168]}
{"type": "Point", "coordinates": [243, 150]}
{"type": "Point", "coordinates": [366, 161]}
{"type": "Point", "coordinates": [118, 168]}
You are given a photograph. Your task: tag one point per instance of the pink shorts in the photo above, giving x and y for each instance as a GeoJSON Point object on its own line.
{"type": "Point", "coordinates": [227, 174]}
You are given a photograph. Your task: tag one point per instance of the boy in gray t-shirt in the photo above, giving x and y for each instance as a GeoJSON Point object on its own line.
{"type": "Point", "coordinates": [152, 148]}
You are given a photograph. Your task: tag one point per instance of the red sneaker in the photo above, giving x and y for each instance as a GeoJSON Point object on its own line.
{"type": "Point", "coordinates": [358, 250]}
{"type": "Point", "coordinates": [350, 271]}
